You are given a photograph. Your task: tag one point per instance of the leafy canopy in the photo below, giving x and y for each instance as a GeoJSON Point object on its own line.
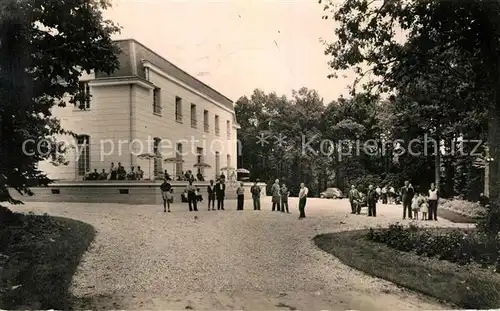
{"type": "Point", "coordinates": [44, 48]}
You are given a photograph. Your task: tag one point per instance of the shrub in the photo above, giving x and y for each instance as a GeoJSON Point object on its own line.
{"type": "Point", "coordinates": [363, 182]}
{"type": "Point", "coordinates": [457, 246]}
{"type": "Point", "coordinates": [490, 223]}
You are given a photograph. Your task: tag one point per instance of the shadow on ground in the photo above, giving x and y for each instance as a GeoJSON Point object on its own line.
{"type": "Point", "coordinates": [38, 256]}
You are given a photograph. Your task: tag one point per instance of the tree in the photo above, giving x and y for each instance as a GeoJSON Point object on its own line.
{"type": "Point", "coordinates": [435, 30]}
{"type": "Point", "coordinates": [44, 48]}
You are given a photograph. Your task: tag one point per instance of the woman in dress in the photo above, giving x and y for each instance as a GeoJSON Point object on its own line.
{"type": "Point", "coordinates": [112, 170]}
{"type": "Point", "coordinates": [424, 208]}
{"type": "Point", "coordinates": [416, 202]}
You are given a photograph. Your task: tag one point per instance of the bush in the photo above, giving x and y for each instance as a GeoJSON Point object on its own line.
{"type": "Point", "coordinates": [457, 246]}
{"type": "Point", "coordinates": [490, 223]}
{"type": "Point", "coordinates": [363, 182]}
{"type": "Point", "coordinates": [468, 288]}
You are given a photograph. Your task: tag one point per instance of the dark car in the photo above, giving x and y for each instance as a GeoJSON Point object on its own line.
{"type": "Point", "coordinates": [331, 193]}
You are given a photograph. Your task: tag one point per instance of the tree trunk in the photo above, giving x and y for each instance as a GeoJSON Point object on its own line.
{"type": "Point", "coordinates": [494, 135]}
{"type": "Point", "coordinates": [486, 190]}
{"type": "Point", "coordinates": [493, 68]}
{"type": "Point", "coordinates": [437, 161]}
{"type": "Point", "coordinates": [494, 142]}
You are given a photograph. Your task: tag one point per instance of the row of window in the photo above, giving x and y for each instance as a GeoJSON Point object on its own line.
{"type": "Point", "coordinates": [83, 102]}
{"type": "Point", "coordinates": [194, 120]}
{"type": "Point", "coordinates": [83, 142]}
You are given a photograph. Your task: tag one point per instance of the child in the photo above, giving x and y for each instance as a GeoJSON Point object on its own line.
{"type": "Point", "coordinates": [424, 208]}
{"type": "Point", "coordinates": [199, 198]}
{"type": "Point", "coordinates": [166, 189]}
{"type": "Point", "coordinates": [170, 198]}
{"type": "Point", "coordinates": [415, 205]}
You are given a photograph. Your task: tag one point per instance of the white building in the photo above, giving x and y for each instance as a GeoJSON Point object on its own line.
{"type": "Point", "coordinates": [147, 105]}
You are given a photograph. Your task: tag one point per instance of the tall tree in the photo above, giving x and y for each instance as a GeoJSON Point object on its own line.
{"type": "Point", "coordinates": [434, 29]}
{"type": "Point", "coordinates": [44, 48]}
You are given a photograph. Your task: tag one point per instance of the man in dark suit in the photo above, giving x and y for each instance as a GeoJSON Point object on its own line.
{"type": "Point", "coordinates": [407, 193]}
{"type": "Point", "coordinates": [220, 192]}
{"type": "Point", "coordinates": [191, 194]}
{"type": "Point", "coordinates": [371, 201]}
{"type": "Point", "coordinates": [211, 195]}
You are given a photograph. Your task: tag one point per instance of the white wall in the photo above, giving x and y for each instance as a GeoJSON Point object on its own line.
{"type": "Point", "coordinates": [149, 125]}
{"type": "Point", "coordinates": [109, 126]}
{"type": "Point", "coordinates": [106, 121]}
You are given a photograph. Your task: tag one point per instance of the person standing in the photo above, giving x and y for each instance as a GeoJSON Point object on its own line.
{"type": "Point", "coordinates": [211, 195]}
{"type": "Point", "coordinates": [354, 199]}
{"type": "Point", "coordinates": [113, 172]}
{"type": "Point", "coordinates": [392, 194]}
{"type": "Point", "coordinates": [220, 193]}
{"type": "Point", "coordinates": [139, 173]}
{"type": "Point", "coordinates": [371, 201]}
{"type": "Point", "coordinates": [302, 200]}
{"type": "Point", "coordinates": [284, 198]}
{"type": "Point", "coordinates": [241, 197]}
{"type": "Point", "coordinates": [407, 193]}
{"type": "Point", "coordinates": [165, 188]}
{"type": "Point", "coordinates": [379, 192]}
{"type": "Point", "coordinates": [416, 202]}
{"type": "Point", "coordinates": [275, 192]}
{"type": "Point", "coordinates": [384, 194]}
{"type": "Point", "coordinates": [433, 202]}
{"type": "Point", "coordinates": [424, 208]}
{"type": "Point", "coordinates": [191, 194]}
{"type": "Point", "coordinates": [255, 190]}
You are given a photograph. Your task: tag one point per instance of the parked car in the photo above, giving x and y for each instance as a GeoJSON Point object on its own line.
{"type": "Point", "coordinates": [331, 193]}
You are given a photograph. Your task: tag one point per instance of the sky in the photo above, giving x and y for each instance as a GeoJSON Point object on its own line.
{"type": "Point", "coordinates": [236, 46]}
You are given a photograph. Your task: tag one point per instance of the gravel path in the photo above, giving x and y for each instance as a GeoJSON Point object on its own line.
{"type": "Point", "coordinates": [145, 259]}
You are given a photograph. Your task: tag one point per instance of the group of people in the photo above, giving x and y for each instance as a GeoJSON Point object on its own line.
{"type": "Point", "coordinates": [280, 196]}
{"type": "Point", "coordinates": [414, 202]}
{"type": "Point", "coordinates": [356, 200]}
{"type": "Point", "coordinates": [217, 192]}
{"type": "Point", "coordinates": [387, 194]}
{"type": "Point", "coordinates": [116, 173]}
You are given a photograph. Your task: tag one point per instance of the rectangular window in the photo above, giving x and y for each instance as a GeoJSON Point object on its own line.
{"type": "Point", "coordinates": [206, 122]}
{"type": "Point", "coordinates": [228, 128]}
{"type": "Point", "coordinates": [228, 158]}
{"type": "Point", "coordinates": [193, 116]}
{"type": "Point", "coordinates": [83, 154]}
{"type": "Point", "coordinates": [178, 164]}
{"type": "Point", "coordinates": [157, 101]}
{"type": "Point", "coordinates": [217, 163]}
{"type": "Point", "coordinates": [158, 172]}
{"type": "Point", "coordinates": [217, 128]}
{"type": "Point", "coordinates": [178, 109]}
{"type": "Point", "coordinates": [83, 96]}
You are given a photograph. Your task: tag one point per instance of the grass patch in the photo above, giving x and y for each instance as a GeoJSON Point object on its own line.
{"type": "Point", "coordinates": [38, 257]}
{"type": "Point", "coordinates": [466, 209]}
{"type": "Point", "coordinates": [466, 286]}
{"type": "Point", "coordinates": [456, 217]}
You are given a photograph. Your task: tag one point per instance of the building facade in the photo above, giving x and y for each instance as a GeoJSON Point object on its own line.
{"type": "Point", "coordinates": [151, 106]}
